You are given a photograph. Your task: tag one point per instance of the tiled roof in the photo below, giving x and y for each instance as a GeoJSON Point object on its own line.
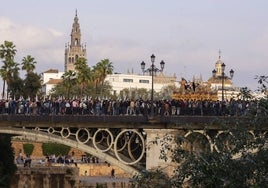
{"type": "Point", "coordinates": [54, 81]}
{"type": "Point", "coordinates": [52, 71]}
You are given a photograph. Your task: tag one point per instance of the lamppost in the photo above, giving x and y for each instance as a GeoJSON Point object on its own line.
{"type": "Point", "coordinates": [152, 70]}
{"type": "Point", "coordinates": [223, 77]}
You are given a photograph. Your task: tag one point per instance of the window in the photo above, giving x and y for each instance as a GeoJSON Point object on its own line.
{"type": "Point", "coordinates": [144, 81]}
{"type": "Point", "coordinates": [127, 80]}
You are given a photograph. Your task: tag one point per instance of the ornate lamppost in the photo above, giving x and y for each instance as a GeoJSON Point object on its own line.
{"type": "Point", "coordinates": [152, 70]}
{"type": "Point", "coordinates": [223, 77]}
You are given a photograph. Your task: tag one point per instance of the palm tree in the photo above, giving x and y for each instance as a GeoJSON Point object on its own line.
{"type": "Point", "coordinates": [69, 79]}
{"type": "Point", "coordinates": [9, 71]}
{"type": "Point", "coordinates": [101, 70]}
{"type": "Point", "coordinates": [96, 78]}
{"type": "Point", "coordinates": [12, 76]}
{"type": "Point", "coordinates": [83, 73]}
{"type": "Point", "coordinates": [7, 53]}
{"type": "Point", "coordinates": [28, 64]}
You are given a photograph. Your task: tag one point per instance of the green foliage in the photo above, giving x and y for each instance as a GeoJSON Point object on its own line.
{"type": "Point", "coordinates": [53, 148]}
{"type": "Point", "coordinates": [84, 81]}
{"type": "Point", "coordinates": [28, 64]}
{"type": "Point", "coordinates": [32, 85]}
{"type": "Point", "coordinates": [245, 93]}
{"type": "Point", "coordinates": [243, 165]}
{"type": "Point", "coordinates": [9, 68]}
{"type": "Point", "coordinates": [16, 86]}
{"type": "Point", "coordinates": [151, 179]}
{"type": "Point", "coordinates": [263, 81]}
{"type": "Point", "coordinates": [238, 158]}
{"type": "Point", "coordinates": [7, 166]}
{"type": "Point", "coordinates": [28, 149]}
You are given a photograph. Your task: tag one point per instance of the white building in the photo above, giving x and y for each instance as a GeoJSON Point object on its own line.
{"type": "Point", "coordinates": [135, 81]}
{"type": "Point", "coordinates": [50, 79]}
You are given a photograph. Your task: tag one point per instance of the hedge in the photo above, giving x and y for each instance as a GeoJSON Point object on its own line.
{"type": "Point", "coordinates": [28, 148]}
{"type": "Point", "coordinates": [54, 148]}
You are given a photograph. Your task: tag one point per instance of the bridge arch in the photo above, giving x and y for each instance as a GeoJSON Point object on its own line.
{"type": "Point", "coordinates": [34, 135]}
{"type": "Point", "coordinates": [223, 137]}
{"type": "Point", "coordinates": [197, 136]}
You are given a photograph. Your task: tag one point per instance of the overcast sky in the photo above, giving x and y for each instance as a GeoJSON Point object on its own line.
{"type": "Point", "coordinates": [186, 34]}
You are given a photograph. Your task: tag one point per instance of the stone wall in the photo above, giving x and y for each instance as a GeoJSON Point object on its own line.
{"type": "Point", "coordinates": [100, 169]}
{"type": "Point", "coordinates": [46, 177]}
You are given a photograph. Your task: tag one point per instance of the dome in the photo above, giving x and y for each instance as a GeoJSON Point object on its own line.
{"type": "Point", "coordinates": [219, 62]}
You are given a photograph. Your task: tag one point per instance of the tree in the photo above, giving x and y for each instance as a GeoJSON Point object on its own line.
{"type": "Point", "coordinates": [83, 75]}
{"type": "Point", "coordinates": [32, 85]}
{"type": "Point", "coordinates": [245, 93]}
{"type": "Point", "coordinates": [152, 179]}
{"type": "Point", "coordinates": [69, 80]}
{"type": "Point", "coordinates": [28, 64]}
{"type": "Point", "coordinates": [241, 163]}
{"type": "Point", "coordinates": [12, 77]}
{"type": "Point", "coordinates": [7, 54]}
{"type": "Point", "coordinates": [7, 166]}
{"type": "Point", "coordinates": [263, 81]}
{"type": "Point", "coordinates": [100, 71]}
{"type": "Point", "coordinates": [240, 160]}
{"type": "Point", "coordinates": [16, 87]}
{"type": "Point", "coordinates": [237, 159]}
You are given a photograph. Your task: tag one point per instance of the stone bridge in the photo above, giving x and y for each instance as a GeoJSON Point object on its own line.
{"type": "Point", "coordinates": [124, 141]}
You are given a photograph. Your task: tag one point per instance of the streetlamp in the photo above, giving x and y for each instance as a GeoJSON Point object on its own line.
{"type": "Point", "coordinates": [223, 77]}
{"type": "Point", "coordinates": [152, 70]}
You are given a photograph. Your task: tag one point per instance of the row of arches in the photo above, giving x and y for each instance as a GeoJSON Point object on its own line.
{"type": "Point", "coordinates": [219, 141]}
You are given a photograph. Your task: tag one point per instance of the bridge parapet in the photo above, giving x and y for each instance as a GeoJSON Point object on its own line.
{"type": "Point", "coordinates": [130, 122]}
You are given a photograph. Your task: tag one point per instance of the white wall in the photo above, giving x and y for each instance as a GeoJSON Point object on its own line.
{"type": "Point", "coordinates": [118, 82]}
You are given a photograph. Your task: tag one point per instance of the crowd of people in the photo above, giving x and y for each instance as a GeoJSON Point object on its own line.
{"type": "Point", "coordinates": [91, 106]}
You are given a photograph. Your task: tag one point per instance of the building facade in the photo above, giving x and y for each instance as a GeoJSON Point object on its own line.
{"type": "Point", "coordinates": [50, 79]}
{"type": "Point", "coordinates": [135, 81]}
{"type": "Point", "coordinates": [222, 83]}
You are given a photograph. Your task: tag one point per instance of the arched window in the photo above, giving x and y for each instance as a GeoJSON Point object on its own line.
{"type": "Point", "coordinates": [70, 59]}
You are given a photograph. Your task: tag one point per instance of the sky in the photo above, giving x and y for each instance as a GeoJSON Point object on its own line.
{"type": "Point", "coordinates": [186, 34]}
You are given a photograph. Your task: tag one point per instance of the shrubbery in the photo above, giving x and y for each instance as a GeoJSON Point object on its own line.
{"type": "Point", "coordinates": [28, 149]}
{"type": "Point", "coordinates": [53, 148]}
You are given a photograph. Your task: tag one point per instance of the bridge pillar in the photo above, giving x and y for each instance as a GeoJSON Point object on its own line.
{"type": "Point", "coordinates": [155, 138]}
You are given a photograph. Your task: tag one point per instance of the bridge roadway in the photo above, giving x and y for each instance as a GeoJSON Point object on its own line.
{"type": "Point", "coordinates": [124, 141]}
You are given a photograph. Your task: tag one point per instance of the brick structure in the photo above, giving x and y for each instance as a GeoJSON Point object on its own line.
{"type": "Point", "coordinates": [46, 177]}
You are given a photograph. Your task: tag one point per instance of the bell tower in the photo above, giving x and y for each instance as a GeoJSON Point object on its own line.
{"type": "Point", "coordinates": [74, 50]}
